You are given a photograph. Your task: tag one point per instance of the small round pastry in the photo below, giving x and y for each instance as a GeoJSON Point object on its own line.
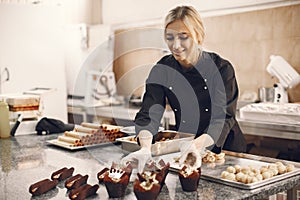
{"type": "Point", "coordinates": [251, 173]}
{"type": "Point", "coordinates": [220, 156]}
{"type": "Point", "coordinates": [245, 170]}
{"type": "Point", "coordinates": [249, 179]}
{"type": "Point", "coordinates": [259, 177]}
{"type": "Point", "coordinates": [272, 166]}
{"type": "Point", "coordinates": [224, 174]}
{"type": "Point", "coordinates": [237, 168]}
{"type": "Point", "coordinates": [255, 171]}
{"type": "Point", "coordinates": [210, 158]}
{"type": "Point", "coordinates": [244, 178]}
{"type": "Point", "coordinates": [266, 175]}
{"type": "Point", "coordinates": [263, 169]}
{"type": "Point", "coordinates": [230, 176]}
{"type": "Point", "coordinates": [204, 159]}
{"type": "Point", "coordinates": [274, 171]}
{"type": "Point", "coordinates": [251, 168]}
{"type": "Point", "coordinates": [279, 163]}
{"type": "Point", "coordinates": [281, 169]}
{"type": "Point", "coordinates": [231, 169]}
{"type": "Point", "coordinates": [290, 168]}
{"type": "Point", "coordinates": [254, 180]}
{"type": "Point", "coordinates": [239, 176]}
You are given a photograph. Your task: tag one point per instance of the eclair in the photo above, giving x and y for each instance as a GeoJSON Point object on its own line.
{"type": "Point", "coordinates": [76, 181]}
{"type": "Point", "coordinates": [62, 174]}
{"type": "Point", "coordinates": [42, 186]}
{"type": "Point", "coordinates": [83, 192]}
{"type": "Point", "coordinates": [102, 174]}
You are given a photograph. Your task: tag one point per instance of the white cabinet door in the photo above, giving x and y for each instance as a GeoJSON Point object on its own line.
{"type": "Point", "coordinates": [32, 49]}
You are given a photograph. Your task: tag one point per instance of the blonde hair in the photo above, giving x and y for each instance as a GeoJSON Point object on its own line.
{"type": "Point", "coordinates": [191, 18]}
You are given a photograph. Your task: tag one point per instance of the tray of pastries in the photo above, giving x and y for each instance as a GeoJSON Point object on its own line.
{"type": "Point", "coordinates": [244, 171]}
{"type": "Point", "coordinates": [88, 135]}
{"type": "Point", "coordinates": [166, 141]}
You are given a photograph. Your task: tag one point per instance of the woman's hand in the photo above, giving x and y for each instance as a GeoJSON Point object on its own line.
{"type": "Point", "coordinates": [141, 156]}
{"type": "Point", "coordinates": [191, 151]}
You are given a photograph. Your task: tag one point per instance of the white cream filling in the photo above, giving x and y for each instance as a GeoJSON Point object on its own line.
{"type": "Point", "coordinates": [150, 180]}
{"type": "Point", "coordinates": [116, 174]}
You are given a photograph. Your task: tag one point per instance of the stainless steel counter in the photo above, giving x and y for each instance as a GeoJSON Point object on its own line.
{"type": "Point", "coordinates": [268, 129]}
{"type": "Point", "coordinates": [27, 159]}
{"type": "Point", "coordinates": [258, 128]}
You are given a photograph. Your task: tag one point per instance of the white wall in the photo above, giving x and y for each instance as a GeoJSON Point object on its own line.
{"type": "Point", "coordinates": [32, 49]}
{"type": "Point", "coordinates": [129, 11]}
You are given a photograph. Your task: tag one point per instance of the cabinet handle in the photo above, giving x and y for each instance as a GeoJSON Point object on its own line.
{"type": "Point", "coordinates": [7, 74]}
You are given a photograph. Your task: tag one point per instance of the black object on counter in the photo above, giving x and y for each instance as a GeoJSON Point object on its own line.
{"type": "Point", "coordinates": [15, 127]}
{"type": "Point", "coordinates": [48, 126]}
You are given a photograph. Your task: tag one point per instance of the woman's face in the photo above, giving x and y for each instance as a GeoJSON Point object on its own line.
{"type": "Point", "coordinates": [181, 44]}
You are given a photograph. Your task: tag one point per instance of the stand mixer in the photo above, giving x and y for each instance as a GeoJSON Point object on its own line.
{"type": "Point", "coordinates": [288, 77]}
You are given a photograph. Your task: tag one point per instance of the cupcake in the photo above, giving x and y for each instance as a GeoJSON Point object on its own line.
{"type": "Point", "coordinates": [116, 181]}
{"type": "Point", "coordinates": [189, 178]}
{"type": "Point", "coordinates": [160, 168]}
{"type": "Point", "coordinates": [147, 187]}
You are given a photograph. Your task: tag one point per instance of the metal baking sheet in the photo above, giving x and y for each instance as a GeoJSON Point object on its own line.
{"type": "Point", "coordinates": [212, 171]}
{"type": "Point", "coordinates": [159, 148]}
{"type": "Point", "coordinates": [58, 143]}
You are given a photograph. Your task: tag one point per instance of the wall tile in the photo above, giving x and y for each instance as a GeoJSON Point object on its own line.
{"type": "Point", "coordinates": [282, 26]}
{"type": "Point", "coordinates": [254, 37]}
{"type": "Point", "coordinates": [295, 32]}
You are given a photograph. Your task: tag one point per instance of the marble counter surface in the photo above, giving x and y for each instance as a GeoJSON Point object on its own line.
{"type": "Point", "coordinates": [27, 159]}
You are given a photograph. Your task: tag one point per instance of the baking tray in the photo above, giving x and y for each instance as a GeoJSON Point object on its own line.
{"type": "Point", "coordinates": [159, 148]}
{"type": "Point", "coordinates": [212, 171]}
{"type": "Point", "coordinates": [67, 146]}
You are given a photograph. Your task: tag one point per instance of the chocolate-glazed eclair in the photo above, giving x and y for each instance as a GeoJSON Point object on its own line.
{"type": "Point", "coordinates": [42, 186]}
{"type": "Point", "coordinates": [76, 181]}
{"type": "Point", "coordinates": [62, 174]}
{"type": "Point", "coordinates": [102, 174]}
{"type": "Point", "coordinates": [83, 192]}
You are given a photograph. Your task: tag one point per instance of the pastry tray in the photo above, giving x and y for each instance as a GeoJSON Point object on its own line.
{"type": "Point", "coordinates": [212, 171]}
{"type": "Point", "coordinates": [64, 145]}
{"type": "Point", "coordinates": [159, 147]}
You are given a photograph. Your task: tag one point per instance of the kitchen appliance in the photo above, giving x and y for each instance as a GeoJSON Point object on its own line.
{"type": "Point", "coordinates": [101, 89]}
{"type": "Point", "coordinates": [288, 77]}
{"type": "Point", "coordinates": [266, 94]}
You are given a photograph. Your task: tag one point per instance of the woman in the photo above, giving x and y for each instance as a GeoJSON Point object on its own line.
{"type": "Point", "coordinates": [199, 86]}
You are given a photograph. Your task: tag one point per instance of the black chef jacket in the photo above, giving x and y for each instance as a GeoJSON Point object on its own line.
{"type": "Point", "coordinates": [203, 99]}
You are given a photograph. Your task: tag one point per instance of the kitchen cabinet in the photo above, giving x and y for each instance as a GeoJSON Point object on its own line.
{"type": "Point", "coordinates": [32, 51]}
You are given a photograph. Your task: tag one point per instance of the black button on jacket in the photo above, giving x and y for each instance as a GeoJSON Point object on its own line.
{"type": "Point", "coordinates": [203, 99]}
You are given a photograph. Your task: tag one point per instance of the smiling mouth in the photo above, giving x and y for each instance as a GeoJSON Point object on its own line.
{"type": "Point", "coordinates": [176, 53]}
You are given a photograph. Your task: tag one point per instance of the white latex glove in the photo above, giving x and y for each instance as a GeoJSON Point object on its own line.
{"type": "Point", "coordinates": [144, 154]}
{"type": "Point", "coordinates": [191, 150]}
